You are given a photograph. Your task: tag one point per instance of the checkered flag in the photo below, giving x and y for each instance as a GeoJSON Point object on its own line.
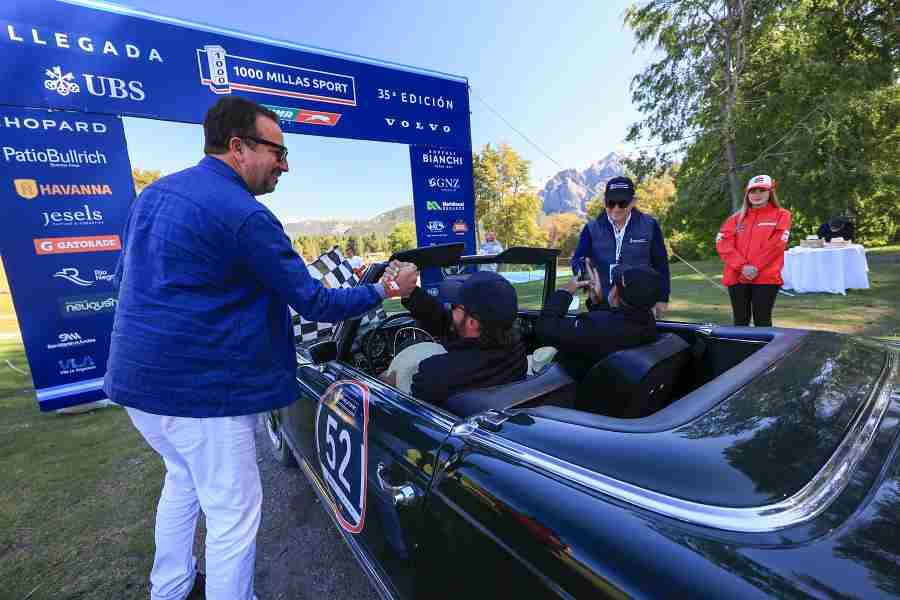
{"type": "Point", "coordinates": [334, 271]}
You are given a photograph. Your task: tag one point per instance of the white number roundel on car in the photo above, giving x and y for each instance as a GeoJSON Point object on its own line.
{"type": "Point", "coordinates": [342, 424]}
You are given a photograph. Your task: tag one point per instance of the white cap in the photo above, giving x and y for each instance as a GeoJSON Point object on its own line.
{"type": "Point", "coordinates": [760, 181]}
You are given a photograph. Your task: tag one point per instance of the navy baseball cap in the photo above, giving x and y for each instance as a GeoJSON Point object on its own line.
{"type": "Point", "coordinates": [490, 297]}
{"type": "Point", "coordinates": [619, 188]}
{"type": "Point", "coordinates": [638, 286]}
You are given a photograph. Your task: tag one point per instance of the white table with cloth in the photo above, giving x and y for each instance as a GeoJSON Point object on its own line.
{"type": "Point", "coordinates": [829, 269]}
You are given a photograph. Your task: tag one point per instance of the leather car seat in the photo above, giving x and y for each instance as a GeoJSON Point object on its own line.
{"type": "Point", "coordinates": [553, 381]}
{"type": "Point", "coordinates": [634, 383]}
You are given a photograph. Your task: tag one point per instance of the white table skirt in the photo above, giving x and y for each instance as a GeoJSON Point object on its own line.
{"type": "Point", "coordinates": [832, 270]}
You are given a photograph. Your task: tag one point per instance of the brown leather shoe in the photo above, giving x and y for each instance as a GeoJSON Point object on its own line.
{"type": "Point", "coordinates": [198, 592]}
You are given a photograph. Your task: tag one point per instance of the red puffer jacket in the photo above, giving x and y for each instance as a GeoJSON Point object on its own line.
{"type": "Point", "coordinates": [758, 240]}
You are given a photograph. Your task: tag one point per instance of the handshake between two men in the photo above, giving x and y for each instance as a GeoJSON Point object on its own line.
{"type": "Point", "coordinates": [399, 279]}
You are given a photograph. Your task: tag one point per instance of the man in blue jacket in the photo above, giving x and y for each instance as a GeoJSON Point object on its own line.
{"type": "Point", "coordinates": [623, 235]}
{"type": "Point", "coordinates": [202, 340]}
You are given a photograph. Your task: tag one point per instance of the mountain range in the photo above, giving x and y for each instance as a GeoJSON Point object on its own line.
{"type": "Point", "coordinates": [568, 191]}
{"type": "Point", "coordinates": [381, 224]}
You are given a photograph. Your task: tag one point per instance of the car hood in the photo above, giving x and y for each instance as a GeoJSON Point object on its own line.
{"type": "Point", "coordinates": [758, 446]}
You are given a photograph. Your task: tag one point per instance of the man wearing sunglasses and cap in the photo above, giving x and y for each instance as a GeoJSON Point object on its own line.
{"type": "Point", "coordinates": [622, 235]}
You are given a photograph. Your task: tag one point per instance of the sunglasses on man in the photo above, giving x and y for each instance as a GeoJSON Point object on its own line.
{"type": "Point", "coordinates": [622, 203]}
{"type": "Point", "coordinates": [282, 151]}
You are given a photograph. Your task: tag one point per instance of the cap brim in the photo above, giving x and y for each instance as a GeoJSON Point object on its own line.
{"type": "Point", "coordinates": [619, 195]}
{"type": "Point", "coordinates": [451, 291]}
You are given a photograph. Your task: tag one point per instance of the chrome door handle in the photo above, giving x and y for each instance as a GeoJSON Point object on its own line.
{"type": "Point", "coordinates": [401, 495]}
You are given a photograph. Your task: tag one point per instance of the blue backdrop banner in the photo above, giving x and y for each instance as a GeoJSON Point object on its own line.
{"type": "Point", "coordinates": [62, 55]}
{"type": "Point", "coordinates": [443, 204]}
{"type": "Point", "coordinates": [65, 187]}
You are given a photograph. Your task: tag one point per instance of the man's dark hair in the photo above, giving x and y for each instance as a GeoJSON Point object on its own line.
{"type": "Point", "coordinates": [230, 117]}
{"type": "Point", "coordinates": [497, 336]}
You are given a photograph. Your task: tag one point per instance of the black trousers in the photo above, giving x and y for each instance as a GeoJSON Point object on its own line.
{"type": "Point", "coordinates": [753, 300]}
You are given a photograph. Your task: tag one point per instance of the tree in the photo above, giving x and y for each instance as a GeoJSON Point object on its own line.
{"type": "Point", "coordinates": [563, 230]}
{"type": "Point", "coordinates": [817, 107]}
{"type": "Point", "coordinates": [505, 202]}
{"type": "Point", "coordinates": [403, 236]}
{"type": "Point", "coordinates": [143, 178]}
{"type": "Point", "coordinates": [697, 84]}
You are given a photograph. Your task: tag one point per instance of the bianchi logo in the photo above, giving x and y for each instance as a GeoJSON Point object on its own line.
{"type": "Point", "coordinates": [73, 366]}
{"type": "Point", "coordinates": [86, 306]}
{"type": "Point", "coordinates": [61, 83]}
{"type": "Point", "coordinates": [70, 339]}
{"type": "Point", "coordinates": [72, 274]}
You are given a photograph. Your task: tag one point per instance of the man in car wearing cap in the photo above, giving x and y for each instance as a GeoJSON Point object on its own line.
{"type": "Point", "coordinates": [623, 235]}
{"type": "Point", "coordinates": [587, 338]}
{"type": "Point", "coordinates": [478, 331]}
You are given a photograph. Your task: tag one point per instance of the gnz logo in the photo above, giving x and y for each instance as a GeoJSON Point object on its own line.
{"type": "Point", "coordinates": [444, 183]}
{"type": "Point", "coordinates": [342, 429]}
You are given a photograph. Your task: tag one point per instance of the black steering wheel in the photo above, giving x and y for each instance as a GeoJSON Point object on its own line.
{"type": "Point", "coordinates": [416, 338]}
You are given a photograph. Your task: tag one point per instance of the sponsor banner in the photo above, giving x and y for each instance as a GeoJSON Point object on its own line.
{"type": "Point", "coordinates": [100, 60]}
{"type": "Point", "coordinates": [65, 188]}
{"type": "Point", "coordinates": [443, 199]}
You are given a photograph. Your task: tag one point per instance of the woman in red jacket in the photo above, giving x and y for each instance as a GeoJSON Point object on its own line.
{"type": "Point", "coordinates": [751, 242]}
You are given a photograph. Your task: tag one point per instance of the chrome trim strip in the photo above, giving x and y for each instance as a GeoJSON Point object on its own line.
{"type": "Point", "coordinates": [383, 589]}
{"type": "Point", "coordinates": [803, 506]}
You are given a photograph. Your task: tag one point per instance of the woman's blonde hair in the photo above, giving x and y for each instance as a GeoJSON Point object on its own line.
{"type": "Point", "coordinates": [773, 199]}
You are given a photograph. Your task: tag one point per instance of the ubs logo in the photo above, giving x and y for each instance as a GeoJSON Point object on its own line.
{"type": "Point", "coordinates": [64, 83]}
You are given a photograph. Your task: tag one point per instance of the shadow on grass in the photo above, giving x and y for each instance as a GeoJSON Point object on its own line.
{"type": "Point", "coordinates": [77, 497]}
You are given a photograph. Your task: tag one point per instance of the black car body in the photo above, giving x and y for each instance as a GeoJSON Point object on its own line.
{"type": "Point", "coordinates": [771, 469]}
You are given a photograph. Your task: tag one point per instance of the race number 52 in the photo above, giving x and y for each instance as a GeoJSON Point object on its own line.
{"type": "Point", "coordinates": [342, 444]}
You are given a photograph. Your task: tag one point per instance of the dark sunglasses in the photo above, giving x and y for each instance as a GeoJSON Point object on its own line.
{"type": "Point", "coordinates": [282, 151]}
{"type": "Point", "coordinates": [619, 203]}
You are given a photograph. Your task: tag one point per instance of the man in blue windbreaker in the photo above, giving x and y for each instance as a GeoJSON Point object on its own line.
{"type": "Point", "coordinates": [623, 235]}
{"type": "Point", "coordinates": [202, 341]}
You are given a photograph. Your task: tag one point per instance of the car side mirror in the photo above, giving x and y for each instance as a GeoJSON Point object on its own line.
{"type": "Point", "coordinates": [322, 352]}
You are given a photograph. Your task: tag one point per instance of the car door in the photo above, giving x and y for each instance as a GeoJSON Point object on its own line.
{"type": "Point", "coordinates": [370, 452]}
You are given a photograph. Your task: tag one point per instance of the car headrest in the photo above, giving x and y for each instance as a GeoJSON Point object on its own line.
{"type": "Point", "coordinates": [634, 364]}
{"type": "Point", "coordinates": [471, 402]}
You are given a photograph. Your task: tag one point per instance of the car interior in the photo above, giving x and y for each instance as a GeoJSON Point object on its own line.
{"type": "Point", "coordinates": [630, 385]}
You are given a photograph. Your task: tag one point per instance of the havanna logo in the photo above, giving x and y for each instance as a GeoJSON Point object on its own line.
{"type": "Point", "coordinates": [26, 188]}
{"type": "Point", "coordinates": [31, 189]}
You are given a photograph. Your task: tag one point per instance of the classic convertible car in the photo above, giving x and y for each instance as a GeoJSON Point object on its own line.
{"type": "Point", "coordinates": [717, 462]}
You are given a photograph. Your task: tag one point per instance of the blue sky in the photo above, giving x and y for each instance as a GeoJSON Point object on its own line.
{"type": "Point", "coordinates": [560, 73]}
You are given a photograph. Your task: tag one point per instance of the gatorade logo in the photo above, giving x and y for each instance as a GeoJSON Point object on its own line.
{"type": "Point", "coordinates": [74, 245]}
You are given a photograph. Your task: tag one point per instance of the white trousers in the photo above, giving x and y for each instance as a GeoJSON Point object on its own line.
{"type": "Point", "coordinates": [210, 464]}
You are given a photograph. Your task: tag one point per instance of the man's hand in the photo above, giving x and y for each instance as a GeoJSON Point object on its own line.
{"type": "Point", "coordinates": [660, 309]}
{"type": "Point", "coordinates": [596, 288]}
{"type": "Point", "coordinates": [749, 271]}
{"type": "Point", "coordinates": [573, 285]}
{"type": "Point", "coordinates": [399, 279]}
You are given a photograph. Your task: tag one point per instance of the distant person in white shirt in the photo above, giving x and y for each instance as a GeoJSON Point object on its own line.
{"type": "Point", "coordinates": [490, 246]}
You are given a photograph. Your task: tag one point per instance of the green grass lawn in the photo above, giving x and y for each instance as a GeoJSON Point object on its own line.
{"type": "Point", "coordinates": [78, 492]}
